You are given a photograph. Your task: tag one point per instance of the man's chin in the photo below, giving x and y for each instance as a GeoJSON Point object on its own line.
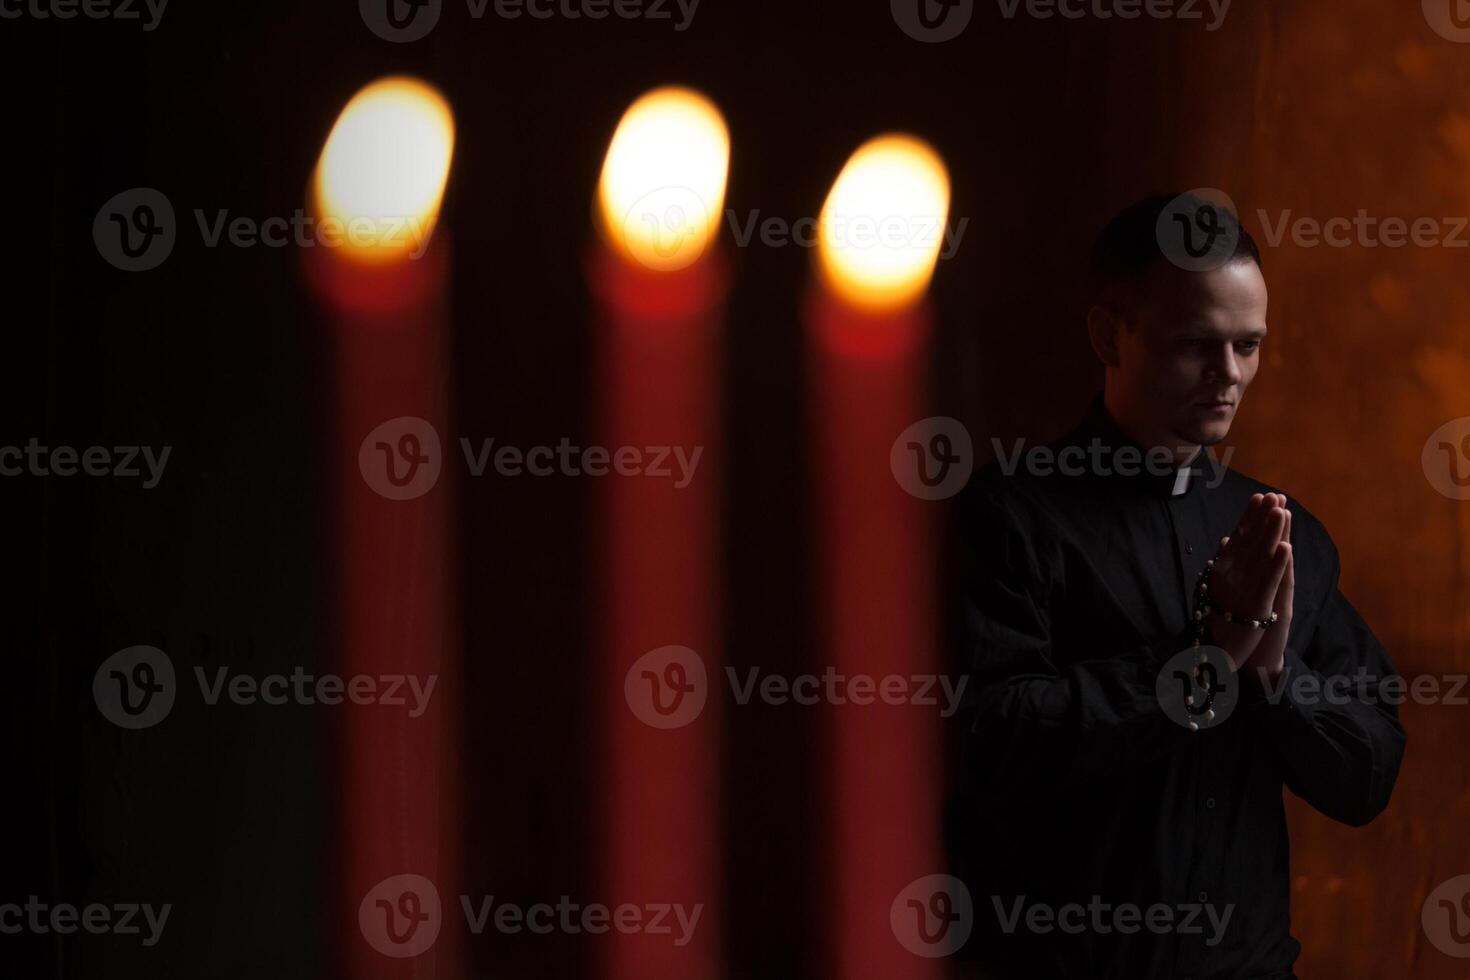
{"type": "Point", "coordinates": [1206, 432]}
{"type": "Point", "coordinates": [1215, 432]}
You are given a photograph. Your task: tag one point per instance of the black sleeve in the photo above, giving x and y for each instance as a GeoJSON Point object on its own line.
{"type": "Point", "coordinates": [1033, 723]}
{"type": "Point", "coordinates": [1335, 727]}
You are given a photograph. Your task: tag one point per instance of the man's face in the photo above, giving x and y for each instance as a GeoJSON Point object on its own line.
{"type": "Point", "coordinates": [1190, 350]}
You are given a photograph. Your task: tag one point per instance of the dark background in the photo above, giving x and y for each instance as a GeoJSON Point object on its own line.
{"type": "Point", "coordinates": [1048, 127]}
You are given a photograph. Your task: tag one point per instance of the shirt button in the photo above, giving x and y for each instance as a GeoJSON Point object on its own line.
{"type": "Point", "coordinates": [1189, 549]}
{"type": "Point", "coordinates": [1204, 896]}
{"type": "Point", "coordinates": [1210, 803]}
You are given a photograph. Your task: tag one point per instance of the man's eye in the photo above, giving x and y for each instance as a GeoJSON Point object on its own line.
{"type": "Point", "coordinates": [1248, 345]}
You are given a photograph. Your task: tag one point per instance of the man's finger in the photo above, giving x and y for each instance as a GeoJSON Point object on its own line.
{"type": "Point", "coordinates": [1287, 591]}
{"type": "Point", "coordinates": [1266, 599]}
{"type": "Point", "coordinates": [1249, 516]}
{"type": "Point", "coordinates": [1261, 552]}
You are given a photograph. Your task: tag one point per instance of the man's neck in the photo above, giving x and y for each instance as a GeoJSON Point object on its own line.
{"type": "Point", "coordinates": [1147, 437]}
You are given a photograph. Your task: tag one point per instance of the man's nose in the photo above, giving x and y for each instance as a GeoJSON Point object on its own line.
{"type": "Point", "coordinates": [1225, 366]}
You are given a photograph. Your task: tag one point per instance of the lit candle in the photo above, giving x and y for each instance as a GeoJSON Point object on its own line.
{"type": "Point", "coordinates": [868, 329]}
{"type": "Point", "coordinates": [660, 284]}
{"type": "Point", "coordinates": [376, 193]}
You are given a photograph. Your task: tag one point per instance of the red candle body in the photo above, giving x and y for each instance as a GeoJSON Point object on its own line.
{"type": "Point", "coordinates": [877, 618]}
{"type": "Point", "coordinates": [660, 586]}
{"type": "Point", "coordinates": [399, 793]}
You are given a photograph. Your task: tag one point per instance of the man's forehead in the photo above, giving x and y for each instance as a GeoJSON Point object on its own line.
{"type": "Point", "coordinates": [1216, 325]}
{"type": "Point", "coordinates": [1228, 293]}
{"type": "Point", "coordinates": [1239, 280]}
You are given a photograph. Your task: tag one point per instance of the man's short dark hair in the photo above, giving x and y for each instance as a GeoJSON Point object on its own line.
{"type": "Point", "coordinates": [1136, 238]}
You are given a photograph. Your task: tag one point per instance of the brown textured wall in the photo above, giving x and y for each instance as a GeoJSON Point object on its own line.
{"type": "Point", "coordinates": [1359, 106]}
{"type": "Point", "coordinates": [1317, 110]}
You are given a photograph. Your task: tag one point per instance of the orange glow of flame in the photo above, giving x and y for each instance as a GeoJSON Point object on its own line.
{"type": "Point", "coordinates": [883, 224]}
{"type": "Point", "coordinates": [382, 173]}
{"type": "Point", "coordinates": [662, 190]}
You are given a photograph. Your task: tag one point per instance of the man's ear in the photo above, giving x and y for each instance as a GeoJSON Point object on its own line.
{"type": "Point", "coordinates": [1104, 320]}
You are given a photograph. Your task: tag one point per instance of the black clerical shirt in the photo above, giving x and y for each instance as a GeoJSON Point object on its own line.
{"type": "Point", "coordinates": [1098, 837]}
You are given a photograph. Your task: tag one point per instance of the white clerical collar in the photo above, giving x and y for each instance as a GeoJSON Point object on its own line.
{"type": "Point", "coordinates": [1181, 480]}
